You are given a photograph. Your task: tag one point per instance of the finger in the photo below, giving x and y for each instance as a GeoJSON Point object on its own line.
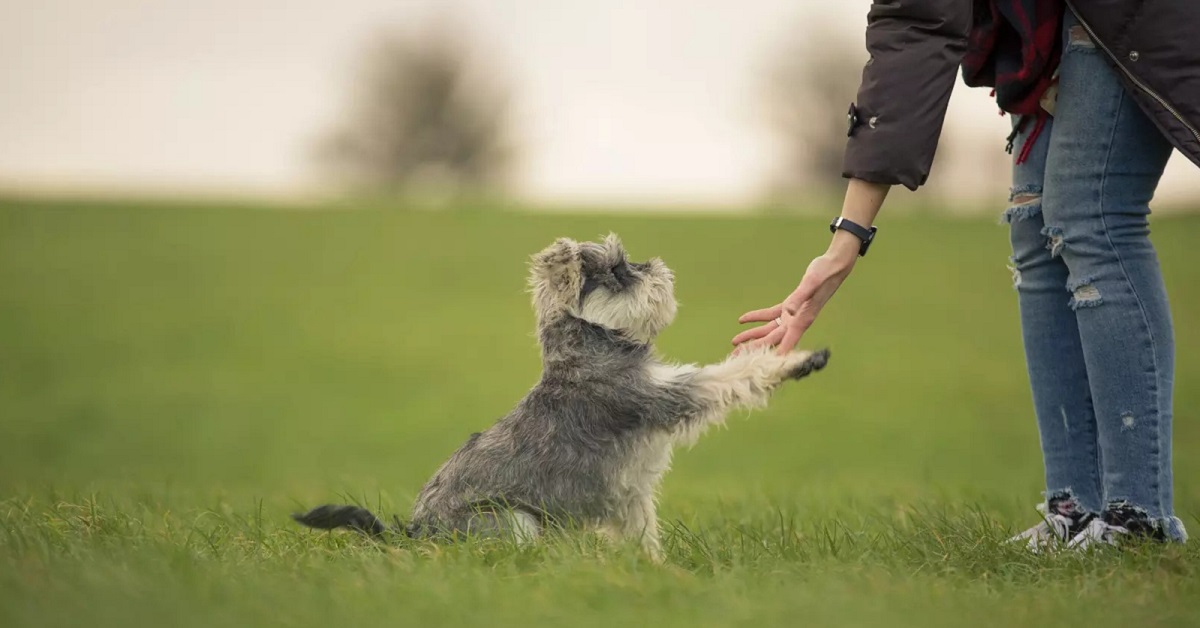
{"type": "Point", "coordinates": [791, 336]}
{"type": "Point", "coordinates": [770, 339]}
{"type": "Point", "coordinates": [755, 333]}
{"type": "Point", "coordinates": [761, 316]}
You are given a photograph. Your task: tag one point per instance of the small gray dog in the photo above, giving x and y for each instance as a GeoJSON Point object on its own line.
{"type": "Point", "coordinates": [591, 441]}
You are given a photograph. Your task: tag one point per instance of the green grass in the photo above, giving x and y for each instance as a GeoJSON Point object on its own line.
{"type": "Point", "coordinates": [176, 380]}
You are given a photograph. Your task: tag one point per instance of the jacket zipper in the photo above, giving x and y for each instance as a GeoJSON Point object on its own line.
{"type": "Point", "coordinates": [1142, 86]}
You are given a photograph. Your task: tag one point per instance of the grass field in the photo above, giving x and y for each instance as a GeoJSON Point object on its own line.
{"type": "Point", "coordinates": [175, 381]}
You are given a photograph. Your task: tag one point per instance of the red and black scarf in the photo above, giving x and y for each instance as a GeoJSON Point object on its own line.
{"type": "Point", "coordinates": [1014, 47]}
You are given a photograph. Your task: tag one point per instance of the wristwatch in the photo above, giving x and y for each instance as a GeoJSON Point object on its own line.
{"type": "Point", "coordinates": [862, 233]}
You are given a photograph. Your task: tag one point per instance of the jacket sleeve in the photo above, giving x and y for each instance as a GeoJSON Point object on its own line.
{"type": "Point", "coordinates": [916, 47]}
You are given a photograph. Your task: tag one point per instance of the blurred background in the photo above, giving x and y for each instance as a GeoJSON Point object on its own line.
{"type": "Point", "coordinates": [180, 370]}
{"type": "Point", "coordinates": [219, 342]}
{"type": "Point", "coordinates": [665, 105]}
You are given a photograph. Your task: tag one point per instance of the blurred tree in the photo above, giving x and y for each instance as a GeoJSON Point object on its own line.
{"type": "Point", "coordinates": [426, 119]}
{"type": "Point", "coordinates": [809, 84]}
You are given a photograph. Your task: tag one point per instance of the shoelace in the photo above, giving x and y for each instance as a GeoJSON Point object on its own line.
{"type": "Point", "coordinates": [1052, 528]}
{"type": "Point", "coordinates": [1097, 532]}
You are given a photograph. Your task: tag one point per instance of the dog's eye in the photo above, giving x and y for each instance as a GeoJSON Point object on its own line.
{"type": "Point", "coordinates": [621, 272]}
{"type": "Point", "coordinates": [589, 285]}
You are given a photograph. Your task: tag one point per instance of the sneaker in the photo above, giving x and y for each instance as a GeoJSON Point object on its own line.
{"type": "Point", "coordinates": [1119, 522]}
{"type": "Point", "coordinates": [1061, 522]}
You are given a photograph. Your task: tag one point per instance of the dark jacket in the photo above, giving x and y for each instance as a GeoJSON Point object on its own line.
{"type": "Point", "coordinates": [917, 46]}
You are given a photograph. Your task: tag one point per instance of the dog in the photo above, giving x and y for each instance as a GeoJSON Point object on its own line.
{"type": "Point", "coordinates": [590, 442]}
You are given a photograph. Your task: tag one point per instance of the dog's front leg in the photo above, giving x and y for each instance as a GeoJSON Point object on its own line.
{"type": "Point", "coordinates": [637, 520]}
{"type": "Point", "coordinates": [641, 524]}
{"type": "Point", "coordinates": [742, 381]}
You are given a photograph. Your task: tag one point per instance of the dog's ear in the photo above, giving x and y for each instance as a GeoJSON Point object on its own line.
{"type": "Point", "coordinates": [612, 243]}
{"type": "Point", "coordinates": [555, 278]}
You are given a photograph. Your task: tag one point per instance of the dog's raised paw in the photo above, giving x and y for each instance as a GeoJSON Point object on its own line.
{"type": "Point", "coordinates": [814, 362]}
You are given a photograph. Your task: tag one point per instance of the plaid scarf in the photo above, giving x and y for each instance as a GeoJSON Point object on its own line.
{"type": "Point", "coordinates": [1014, 47]}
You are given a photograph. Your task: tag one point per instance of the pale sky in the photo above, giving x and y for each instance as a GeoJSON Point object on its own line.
{"type": "Point", "coordinates": [621, 101]}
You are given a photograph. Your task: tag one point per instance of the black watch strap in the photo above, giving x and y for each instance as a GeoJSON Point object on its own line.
{"type": "Point", "coordinates": [862, 233]}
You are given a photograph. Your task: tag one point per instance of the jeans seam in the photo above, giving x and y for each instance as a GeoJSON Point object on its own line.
{"type": "Point", "coordinates": [1141, 307]}
{"type": "Point", "coordinates": [1095, 445]}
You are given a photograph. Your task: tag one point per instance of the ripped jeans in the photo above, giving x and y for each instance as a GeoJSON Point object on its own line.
{"type": "Point", "coordinates": [1095, 320]}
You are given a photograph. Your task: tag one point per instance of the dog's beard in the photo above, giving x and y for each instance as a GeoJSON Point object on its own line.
{"type": "Point", "coordinates": [641, 311]}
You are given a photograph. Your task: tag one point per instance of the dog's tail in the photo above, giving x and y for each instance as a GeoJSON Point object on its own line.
{"type": "Point", "coordinates": [332, 517]}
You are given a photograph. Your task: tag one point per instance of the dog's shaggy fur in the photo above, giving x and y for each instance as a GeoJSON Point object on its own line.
{"type": "Point", "coordinates": [589, 444]}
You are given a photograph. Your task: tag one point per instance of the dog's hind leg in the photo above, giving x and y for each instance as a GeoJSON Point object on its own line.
{"type": "Point", "coordinates": [513, 525]}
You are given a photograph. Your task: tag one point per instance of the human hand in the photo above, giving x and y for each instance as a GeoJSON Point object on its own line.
{"type": "Point", "coordinates": [787, 322]}
{"type": "Point", "coordinates": [790, 319]}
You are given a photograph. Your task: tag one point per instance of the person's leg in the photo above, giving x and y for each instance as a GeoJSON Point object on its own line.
{"type": "Point", "coordinates": [1053, 350]}
{"type": "Point", "coordinates": [1104, 161]}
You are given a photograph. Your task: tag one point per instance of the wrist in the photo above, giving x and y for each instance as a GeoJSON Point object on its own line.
{"type": "Point", "coordinates": [864, 235]}
{"type": "Point", "coordinates": [853, 229]}
{"type": "Point", "coordinates": [844, 248]}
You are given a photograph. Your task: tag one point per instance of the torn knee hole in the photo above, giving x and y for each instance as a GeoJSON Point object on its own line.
{"type": "Point", "coordinates": [1016, 272]}
{"type": "Point", "coordinates": [1024, 205]}
{"type": "Point", "coordinates": [1085, 295]}
{"type": "Point", "coordinates": [1054, 240]}
{"type": "Point", "coordinates": [1054, 244]}
{"type": "Point", "coordinates": [1024, 193]}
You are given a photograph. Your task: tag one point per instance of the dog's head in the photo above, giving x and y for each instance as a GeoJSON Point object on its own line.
{"type": "Point", "coordinates": [596, 281]}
